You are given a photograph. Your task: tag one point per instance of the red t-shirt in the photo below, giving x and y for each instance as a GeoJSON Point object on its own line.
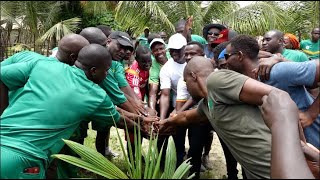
{"type": "Point", "coordinates": [137, 79]}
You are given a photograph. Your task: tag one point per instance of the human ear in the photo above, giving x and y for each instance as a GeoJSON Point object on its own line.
{"type": "Point", "coordinates": [93, 71]}
{"type": "Point", "coordinates": [240, 56]}
{"type": "Point", "coordinates": [193, 75]}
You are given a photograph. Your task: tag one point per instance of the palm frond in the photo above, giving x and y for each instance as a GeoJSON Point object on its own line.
{"type": "Point", "coordinates": [127, 16]}
{"type": "Point", "coordinates": [256, 19]}
{"type": "Point", "coordinates": [61, 29]}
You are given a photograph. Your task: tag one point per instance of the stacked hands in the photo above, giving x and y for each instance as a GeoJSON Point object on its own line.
{"type": "Point", "coordinates": [151, 125]}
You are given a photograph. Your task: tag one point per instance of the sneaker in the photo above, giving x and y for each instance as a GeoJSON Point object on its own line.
{"type": "Point", "coordinates": [111, 154]}
{"type": "Point", "coordinates": [205, 162]}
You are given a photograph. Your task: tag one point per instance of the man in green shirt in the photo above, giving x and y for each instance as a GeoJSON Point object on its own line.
{"type": "Point", "coordinates": [273, 42]}
{"type": "Point", "coordinates": [158, 50]}
{"type": "Point", "coordinates": [311, 46]}
{"type": "Point", "coordinates": [143, 39]}
{"type": "Point", "coordinates": [53, 102]}
{"type": "Point", "coordinates": [115, 84]}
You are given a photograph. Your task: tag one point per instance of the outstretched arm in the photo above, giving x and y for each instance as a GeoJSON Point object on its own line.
{"type": "Point", "coordinates": [153, 95]}
{"type": "Point", "coordinates": [184, 118]}
{"type": "Point", "coordinates": [164, 102]}
{"type": "Point", "coordinates": [280, 114]}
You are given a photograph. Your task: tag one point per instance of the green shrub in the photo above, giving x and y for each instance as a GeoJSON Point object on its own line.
{"type": "Point", "coordinates": [95, 162]}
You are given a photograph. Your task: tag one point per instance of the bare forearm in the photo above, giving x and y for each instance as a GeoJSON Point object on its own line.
{"type": "Point", "coordinates": [285, 145]}
{"type": "Point", "coordinates": [179, 105]}
{"type": "Point", "coordinates": [152, 96]}
{"type": "Point", "coordinates": [128, 107]}
{"type": "Point", "coordinates": [186, 105]}
{"type": "Point", "coordinates": [132, 116]}
{"type": "Point", "coordinates": [4, 97]}
{"type": "Point", "coordinates": [129, 92]}
{"type": "Point", "coordinates": [164, 105]}
{"type": "Point", "coordinates": [125, 121]}
{"type": "Point", "coordinates": [187, 118]}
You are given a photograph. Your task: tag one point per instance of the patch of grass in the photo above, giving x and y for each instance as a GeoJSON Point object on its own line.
{"type": "Point", "coordinates": [216, 155]}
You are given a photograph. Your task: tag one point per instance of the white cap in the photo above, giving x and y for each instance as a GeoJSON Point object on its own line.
{"type": "Point", "coordinates": [177, 41]}
{"type": "Point", "coordinates": [156, 40]}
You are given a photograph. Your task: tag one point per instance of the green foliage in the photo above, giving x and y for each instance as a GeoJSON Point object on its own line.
{"type": "Point", "coordinates": [60, 29]}
{"type": "Point", "coordinates": [97, 163]}
{"type": "Point", "coordinates": [93, 20]}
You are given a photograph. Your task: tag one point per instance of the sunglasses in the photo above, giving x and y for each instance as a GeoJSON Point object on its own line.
{"type": "Point", "coordinates": [227, 56]}
{"type": "Point", "coordinates": [213, 33]}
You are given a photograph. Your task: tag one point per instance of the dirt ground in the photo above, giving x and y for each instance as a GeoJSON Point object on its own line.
{"type": "Point", "coordinates": [217, 159]}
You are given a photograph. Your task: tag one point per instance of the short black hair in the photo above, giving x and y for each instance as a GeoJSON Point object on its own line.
{"type": "Point", "coordinates": [142, 50]}
{"type": "Point", "coordinates": [248, 45]}
{"type": "Point", "coordinates": [196, 43]}
{"type": "Point", "coordinates": [218, 49]}
{"type": "Point", "coordinates": [105, 29]}
{"type": "Point", "coordinates": [152, 36]}
{"type": "Point", "coordinates": [180, 23]}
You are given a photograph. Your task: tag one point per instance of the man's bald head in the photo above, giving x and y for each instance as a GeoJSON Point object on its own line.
{"type": "Point", "coordinates": [69, 47]}
{"type": "Point", "coordinates": [195, 74]}
{"type": "Point", "coordinates": [198, 65]}
{"type": "Point", "coordinates": [94, 35]}
{"type": "Point", "coordinates": [94, 55]}
{"type": "Point", "coordinates": [275, 33]}
{"type": "Point", "coordinates": [273, 41]}
{"type": "Point", "coordinates": [95, 60]}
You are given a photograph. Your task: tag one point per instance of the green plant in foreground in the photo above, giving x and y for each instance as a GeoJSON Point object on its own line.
{"type": "Point", "coordinates": [95, 162]}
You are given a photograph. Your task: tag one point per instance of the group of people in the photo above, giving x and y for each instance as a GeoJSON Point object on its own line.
{"type": "Point", "coordinates": [260, 97]}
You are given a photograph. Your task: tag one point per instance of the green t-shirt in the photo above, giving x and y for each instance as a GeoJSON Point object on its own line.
{"type": "Point", "coordinates": [55, 99]}
{"type": "Point", "coordinates": [113, 82]}
{"type": "Point", "coordinates": [238, 124]}
{"type": "Point", "coordinates": [143, 41]}
{"type": "Point", "coordinates": [294, 55]}
{"type": "Point", "coordinates": [154, 71]}
{"type": "Point", "coordinates": [311, 48]}
{"type": "Point", "coordinates": [24, 56]}
{"type": "Point", "coordinates": [199, 39]}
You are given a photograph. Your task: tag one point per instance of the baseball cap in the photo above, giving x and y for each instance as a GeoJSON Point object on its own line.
{"type": "Point", "coordinates": [223, 37]}
{"type": "Point", "coordinates": [176, 41]}
{"type": "Point", "coordinates": [122, 37]}
{"type": "Point", "coordinates": [221, 55]}
{"type": "Point", "coordinates": [156, 40]}
{"type": "Point", "coordinates": [209, 26]}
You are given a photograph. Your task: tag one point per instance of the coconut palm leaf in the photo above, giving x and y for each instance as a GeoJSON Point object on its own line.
{"type": "Point", "coordinates": [217, 10]}
{"type": "Point", "coordinates": [61, 29]}
{"type": "Point", "coordinates": [97, 7]}
{"type": "Point", "coordinates": [256, 18]}
{"type": "Point", "coordinates": [136, 15]}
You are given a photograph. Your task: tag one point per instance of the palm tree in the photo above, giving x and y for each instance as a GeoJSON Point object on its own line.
{"type": "Point", "coordinates": [304, 17]}
{"type": "Point", "coordinates": [36, 18]}
{"type": "Point", "coordinates": [253, 19]}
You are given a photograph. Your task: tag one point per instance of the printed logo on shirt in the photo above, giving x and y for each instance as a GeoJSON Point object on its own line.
{"type": "Point", "coordinates": [307, 47]}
